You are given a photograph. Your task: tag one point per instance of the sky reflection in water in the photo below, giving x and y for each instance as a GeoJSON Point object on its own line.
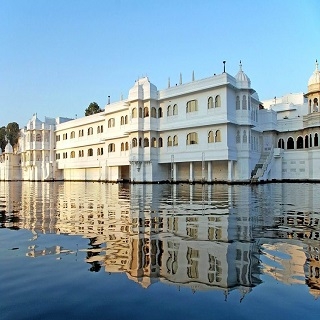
{"type": "Point", "coordinates": [173, 251]}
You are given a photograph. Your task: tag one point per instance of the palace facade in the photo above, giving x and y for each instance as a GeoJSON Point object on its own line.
{"type": "Point", "coordinates": [210, 130]}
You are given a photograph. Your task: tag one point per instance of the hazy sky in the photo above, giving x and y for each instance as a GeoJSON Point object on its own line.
{"type": "Point", "coordinates": [57, 56]}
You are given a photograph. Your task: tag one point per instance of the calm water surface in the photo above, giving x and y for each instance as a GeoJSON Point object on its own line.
{"type": "Point", "coordinates": [87, 250]}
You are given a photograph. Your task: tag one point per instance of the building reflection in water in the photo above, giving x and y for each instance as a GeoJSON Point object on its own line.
{"type": "Point", "coordinates": [200, 236]}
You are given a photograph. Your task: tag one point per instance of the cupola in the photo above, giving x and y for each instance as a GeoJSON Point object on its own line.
{"type": "Point", "coordinates": [243, 81]}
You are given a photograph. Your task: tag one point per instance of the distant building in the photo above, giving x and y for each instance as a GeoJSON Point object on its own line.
{"type": "Point", "coordinates": [213, 129]}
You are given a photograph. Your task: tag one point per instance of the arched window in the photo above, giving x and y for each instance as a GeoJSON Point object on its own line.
{"type": "Point", "coordinates": [249, 103]}
{"type": "Point", "coordinates": [244, 102]}
{"type": "Point", "coordinates": [238, 103]}
{"type": "Point", "coordinates": [140, 112]}
{"type": "Point", "coordinates": [38, 137]}
{"type": "Point", "coordinates": [153, 112]}
{"type": "Point", "coordinates": [210, 103]}
{"type": "Point", "coordinates": [306, 141]}
{"type": "Point", "coordinates": [192, 138]}
{"type": "Point", "coordinates": [126, 146]}
{"type": "Point", "coordinates": [111, 147]}
{"type": "Point", "coordinates": [111, 123]}
{"type": "Point", "coordinates": [72, 154]}
{"type": "Point", "coordinates": [153, 142]}
{"type": "Point", "coordinates": [315, 105]}
{"type": "Point", "coordinates": [218, 136]}
{"type": "Point", "coordinates": [316, 141]}
{"type": "Point", "coordinates": [134, 113]}
{"type": "Point", "coordinates": [244, 137]}
{"type": "Point", "coordinates": [192, 106]}
{"type": "Point", "coordinates": [169, 142]}
{"type": "Point", "coordinates": [81, 133]}
{"type": "Point", "coordinates": [122, 120]}
{"type": "Point", "coordinates": [290, 143]}
{"type": "Point", "coordinates": [310, 141]}
{"type": "Point", "coordinates": [72, 135]}
{"type": "Point", "coordinates": [238, 140]}
{"type": "Point", "coordinates": [175, 109]}
{"type": "Point", "coordinates": [160, 115]}
{"type": "Point", "coordinates": [81, 153]}
{"type": "Point", "coordinates": [160, 142]}
{"type": "Point", "coordinates": [169, 111]}
{"type": "Point", "coordinates": [125, 120]}
{"type": "Point", "coordinates": [300, 143]}
{"type": "Point", "coordinates": [281, 144]}
{"type": "Point", "coordinates": [145, 112]}
{"type": "Point", "coordinates": [217, 102]}
{"type": "Point", "coordinates": [175, 141]}
{"type": "Point", "coordinates": [134, 142]}
{"type": "Point", "coordinates": [122, 146]}
{"type": "Point", "coordinates": [145, 142]}
{"type": "Point", "coordinates": [90, 152]}
{"type": "Point", "coordinates": [90, 131]}
{"type": "Point", "coordinates": [101, 151]}
{"type": "Point", "coordinates": [140, 142]}
{"type": "Point", "coordinates": [210, 137]}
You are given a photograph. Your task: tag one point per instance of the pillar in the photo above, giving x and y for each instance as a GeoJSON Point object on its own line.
{"type": "Point", "coordinates": [191, 171]}
{"type": "Point", "coordinates": [209, 171]}
{"type": "Point", "coordinates": [230, 170]}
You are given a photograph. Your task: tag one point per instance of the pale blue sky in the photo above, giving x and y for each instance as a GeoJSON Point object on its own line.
{"type": "Point", "coordinates": [58, 56]}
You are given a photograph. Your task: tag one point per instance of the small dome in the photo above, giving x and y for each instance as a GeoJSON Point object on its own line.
{"type": "Point", "coordinates": [315, 78]}
{"type": "Point", "coordinates": [242, 79]}
{"type": "Point", "coordinates": [8, 148]}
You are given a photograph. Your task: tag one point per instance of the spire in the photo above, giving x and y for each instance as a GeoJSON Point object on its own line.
{"type": "Point", "coordinates": [317, 64]}
{"type": "Point", "coordinates": [180, 82]}
{"type": "Point", "coordinates": [240, 65]}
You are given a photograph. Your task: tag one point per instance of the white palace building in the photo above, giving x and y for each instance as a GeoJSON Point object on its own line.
{"type": "Point", "coordinates": [210, 130]}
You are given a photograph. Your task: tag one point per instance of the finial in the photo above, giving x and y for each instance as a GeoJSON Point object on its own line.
{"type": "Point", "coordinates": [224, 66]}
{"type": "Point", "coordinates": [193, 75]}
{"type": "Point", "coordinates": [180, 78]}
{"type": "Point", "coordinates": [169, 82]}
{"type": "Point", "coordinates": [240, 65]}
{"type": "Point", "coordinates": [317, 65]}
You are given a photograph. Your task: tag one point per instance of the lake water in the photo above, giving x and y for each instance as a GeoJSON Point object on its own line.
{"type": "Point", "coordinates": [83, 250]}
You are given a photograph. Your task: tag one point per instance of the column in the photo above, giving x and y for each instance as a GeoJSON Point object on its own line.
{"type": "Point", "coordinates": [191, 171]}
{"type": "Point", "coordinates": [230, 170]}
{"type": "Point", "coordinates": [174, 171]}
{"type": "Point", "coordinates": [209, 171]}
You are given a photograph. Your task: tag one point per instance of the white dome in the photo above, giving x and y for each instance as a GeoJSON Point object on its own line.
{"type": "Point", "coordinates": [315, 78]}
{"type": "Point", "coordinates": [8, 148]}
{"type": "Point", "coordinates": [243, 81]}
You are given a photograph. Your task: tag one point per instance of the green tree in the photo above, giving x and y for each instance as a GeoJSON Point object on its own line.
{"type": "Point", "coordinates": [92, 109]}
{"type": "Point", "coordinates": [13, 133]}
{"type": "Point", "coordinates": [3, 138]}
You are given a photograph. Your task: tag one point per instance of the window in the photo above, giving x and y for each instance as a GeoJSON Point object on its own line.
{"type": "Point", "coordinates": [217, 102]}
{"type": "Point", "coordinates": [122, 146]}
{"type": "Point", "coordinates": [169, 143]}
{"type": "Point", "coordinates": [175, 109]}
{"type": "Point", "coordinates": [134, 113]}
{"type": "Point", "coordinates": [72, 135]}
{"type": "Point", "coordinates": [111, 147]}
{"type": "Point", "coordinates": [134, 142]}
{"type": "Point", "coordinates": [57, 156]}
{"type": "Point", "coordinates": [90, 152]}
{"type": "Point", "coordinates": [65, 136]}
{"type": "Point", "coordinates": [140, 112]}
{"type": "Point", "coordinates": [99, 151]}
{"type": "Point", "coordinates": [300, 143]}
{"type": "Point", "coordinates": [126, 146]}
{"type": "Point", "coordinates": [122, 121]}
{"type": "Point", "coordinates": [169, 111]}
{"type": "Point", "coordinates": [306, 141]}
{"type": "Point", "coordinates": [218, 136]}
{"type": "Point", "coordinates": [72, 154]}
{"type": "Point", "coordinates": [281, 143]}
{"type": "Point", "coordinates": [140, 139]}
{"type": "Point", "coordinates": [210, 103]}
{"type": "Point", "coordinates": [290, 143]}
{"type": "Point", "coordinates": [244, 102]}
{"type": "Point", "coordinates": [100, 129]}
{"type": "Point", "coordinates": [192, 138]}
{"type": "Point", "coordinates": [81, 133]}
{"type": "Point", "coordinates": [153, 112]}
{"type": "Point", "coordinates": [210, 137]}
{"type": "Point", "coordinates": [192, 106]}
{"type": "Point", "coordinates": [244, 136]}
{"type": "Point", "coordinates": [81, 153]}
{"type": "Point", "coordinates": [111, 122]}
{"type": "Point", "coordinates": [238, 140]}
{"type": "Point", "coordinates": [65, 155]}
{"type": "Point", "coordinates": [310, 141]}
{"type": "Point", "coordinates": [145, 142]}
{"type": "Point", "coordinates": [175, 140]}
{"type": "Point", "coordinates": [90, 131]}
{"type": "Point", "coordinates": [126, 119]}
{"type": "Point", "coordinates": [237, 103]}
{"type": "Point", "coordinates": [316, 141]}
{"type": "Point", "coordinates": [160, 115]}
{"type": "Point", "coordinates": [153, 142]}
{"type": "Point", "coordinates": [58, 137]}
{"type": "Point", "coordinates": [145, 112]}
{"type": "Point", "coordinates": [160, 142]}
